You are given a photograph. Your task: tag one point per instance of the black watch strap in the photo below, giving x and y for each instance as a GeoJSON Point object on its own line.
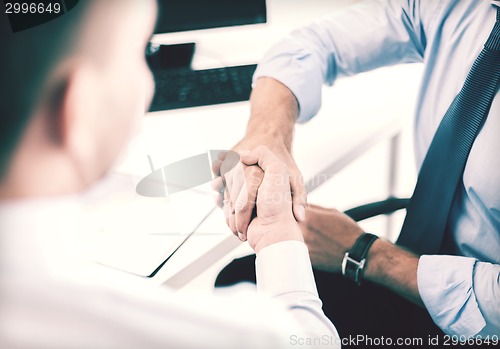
{"type": "Point", "coordinates": [355, 259]}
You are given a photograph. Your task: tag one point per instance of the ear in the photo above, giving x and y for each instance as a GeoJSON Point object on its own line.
{"type": "Point", "coordinates": [78, 115]}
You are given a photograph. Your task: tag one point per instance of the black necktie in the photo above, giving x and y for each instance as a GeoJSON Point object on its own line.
{"type": "Point", "coordinates": [441, 172]}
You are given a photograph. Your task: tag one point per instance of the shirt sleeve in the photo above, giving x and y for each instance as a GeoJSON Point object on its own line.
{"type": "Point", "coordinates": [363, 37]}
{"type": "Point", "coordinates": [461, 294]}
{"type": "Point", "coordinates": [284, 273]}
{"type": "Point", "coordinates": [286, 314]}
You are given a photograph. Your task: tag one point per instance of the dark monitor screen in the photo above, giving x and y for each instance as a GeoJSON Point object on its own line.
{"type": "Point", "coordinates": [183, 15]}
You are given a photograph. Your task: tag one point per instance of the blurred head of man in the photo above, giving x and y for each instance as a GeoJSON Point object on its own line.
{"type": "Point", "coordinates": [72, 91]}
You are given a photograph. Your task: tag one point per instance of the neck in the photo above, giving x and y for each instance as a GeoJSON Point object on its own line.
{"type": "Point", "coordinates": [40, 168]}
{"type": "Point", "coordinates": [40, 176]}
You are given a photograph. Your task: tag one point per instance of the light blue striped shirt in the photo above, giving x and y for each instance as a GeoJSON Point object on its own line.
{"type": "Point", "coordinates": [461, 290]}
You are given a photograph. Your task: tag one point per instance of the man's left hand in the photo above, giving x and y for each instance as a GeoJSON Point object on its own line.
{"type": "Point", "coordinates": [329, 234]}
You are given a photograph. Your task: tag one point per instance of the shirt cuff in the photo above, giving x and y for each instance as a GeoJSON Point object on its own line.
{"type": "Point", "coordinates": [294, 68]}
{"type": "Point", "coordinates": [445, 284]}
{"type": "Point", "coordinates": [283, 268]}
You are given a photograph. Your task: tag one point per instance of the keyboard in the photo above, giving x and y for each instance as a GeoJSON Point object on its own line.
{"type": "Point", "coordinates": [183, 88]}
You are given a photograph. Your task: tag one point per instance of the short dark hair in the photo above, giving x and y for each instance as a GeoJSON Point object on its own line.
{"type": "Point", "coordinates": [27, 59]}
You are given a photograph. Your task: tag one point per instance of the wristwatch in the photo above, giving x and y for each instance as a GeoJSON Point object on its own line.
{"type": "Point", "coordinates": [355, 259]}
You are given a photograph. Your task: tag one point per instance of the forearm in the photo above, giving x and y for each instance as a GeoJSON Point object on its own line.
{"type": "Point", "coordinates": [460, 293]}
{"type": "Point", "coordinates": [284, 273]}
{"type": "Point", "coordinates": [274, 110]}
{"type": "Point", "coordinates": [394, 268]}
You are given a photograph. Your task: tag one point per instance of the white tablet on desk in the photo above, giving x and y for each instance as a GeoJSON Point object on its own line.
{"type": "Point", "coordinates": [137, 234]}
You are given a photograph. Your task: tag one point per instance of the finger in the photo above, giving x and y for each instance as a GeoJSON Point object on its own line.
{"type": "Point", "coordinates": [221, 155]}
{"type": "Point", "coordinates": [217, 185]}
{"type": "Point", "coordinates": [218, 198]}
{"type": "Point", "coordinates": [229, 213]}
{"type": "Point", "coordinates": [225, 207]}
{"type": "Point", "coordinates": [268, 161]}
{"type": "Point", "coordinates": [227, 167]}
{"type": "Point", "coordinates": [233, 180]}
{"type": "Point", "coordinates": [231, 221]}
{"type": "Point", "coordinates": [236, 182]}
{"type": "Point", "coordinates": [216, 165]}
{"type": "Point", "coordinates": [313, 207]}
{"type": "Point", "coordinates": [238, 194]}
{"type": "Point", "coordinates": [246, 201]}
{"type": "Point", "coordinates": [299, 196]}
{"type": "Point", "coordinates": [231, 160]}
{"type": "Point", "coordinates": [265, 159]}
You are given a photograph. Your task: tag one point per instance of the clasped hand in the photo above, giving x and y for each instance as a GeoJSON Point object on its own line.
{"type": "Point", "coordinates": [273, 220]}
{"type": "Point", "coordinates": [255, 195]}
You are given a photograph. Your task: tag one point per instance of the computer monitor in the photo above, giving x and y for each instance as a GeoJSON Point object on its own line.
{"type": "Point", "coordinates": [183, 15]}
{"type": "Point", "coordinates": [186, 15]}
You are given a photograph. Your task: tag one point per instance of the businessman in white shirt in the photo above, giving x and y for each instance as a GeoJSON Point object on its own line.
{"type": "Point", "coordinates": [457, 290]}
{"type": "Point", "coordinates": [72, 91]}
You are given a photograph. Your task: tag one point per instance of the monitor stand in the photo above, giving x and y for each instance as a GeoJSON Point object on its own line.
{"type": "Point", "coordinates": [172, 56]}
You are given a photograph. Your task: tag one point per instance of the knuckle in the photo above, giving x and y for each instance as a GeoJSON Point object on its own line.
{"type": "Point", "coordinates": [300, 196]}
{"type": "Point", "coordinates": [240, 205]}
{"type": "Point", "coordinates": [279, 167]}
{"type": "Point", "coordinates": [254, 170]}
{"type": "Point", "coordinates": [242, 217]}
{"type": "Point", "coordinates": [253, 184]}
{"type": "Point", "coordinates": [262, 148]}
{"type": "Point", "coordinates": [242, 228]}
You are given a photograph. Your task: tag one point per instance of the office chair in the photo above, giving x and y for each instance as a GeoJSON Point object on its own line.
{"type": "Point", "coordinates": [387, 206]}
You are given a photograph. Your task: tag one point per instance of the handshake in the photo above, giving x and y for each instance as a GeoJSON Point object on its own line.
{"type": "Point", "coordinates": [254, 190]}
{"type": "Point", "coordinates": [262, 191]}
{"type": "Point", "coordinates": [264, 202]}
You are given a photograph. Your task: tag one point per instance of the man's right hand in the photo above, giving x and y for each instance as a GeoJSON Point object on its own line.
{"type": "Point", "coordinates": [239, 187]}
{"type": "Point", "coordinates": [275, 221]}
{"type": "Point", "coordinates": [272, 121]}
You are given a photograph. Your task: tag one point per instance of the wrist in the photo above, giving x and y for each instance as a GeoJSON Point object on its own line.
{"type": "Point", "coordinates": [272, 137]}
{"type": "Point", "coordinates": [275, 142]}
{"type": "Point", "coordinates": [263, 235]}
{"type": "Point", "coordinates": [394, 268]}
{"type": "Point", "coordinates": [274, 111]}
{"type": "Point", "coordinates": [374, 269]}
{"type": "Point", "coordinates": [355, 260]}
{"type": "Point", "coordinates": [383, 254]}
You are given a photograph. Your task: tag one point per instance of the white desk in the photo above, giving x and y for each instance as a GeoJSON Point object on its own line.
{"type": "Point", "coordinates": [356, 114]}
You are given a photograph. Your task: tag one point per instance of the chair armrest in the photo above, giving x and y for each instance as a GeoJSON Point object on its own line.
{"type": "Point", "coordinates": [386, 206]}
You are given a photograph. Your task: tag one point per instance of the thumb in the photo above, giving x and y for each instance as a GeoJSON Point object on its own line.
{"type": "Point", "coordinates": [299, 196]}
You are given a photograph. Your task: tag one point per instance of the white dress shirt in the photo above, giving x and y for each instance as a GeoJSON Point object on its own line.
{"type": "Point", "coordinates": [461, 293]}
{"type": "Point", "coordinates": [52, 297]}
